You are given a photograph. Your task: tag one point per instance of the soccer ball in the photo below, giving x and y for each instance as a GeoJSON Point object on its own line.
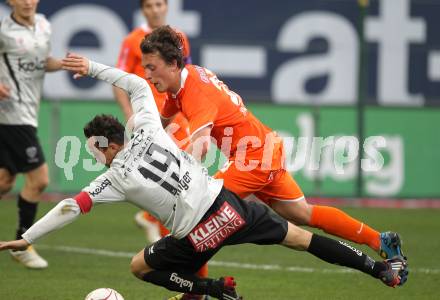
{"type": "Point", "coordinates": [104, 294]}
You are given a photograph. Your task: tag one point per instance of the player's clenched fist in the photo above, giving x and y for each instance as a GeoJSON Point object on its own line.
{"type": "Point", "coordinates": [4, 91]}
{"type": "Point", "coordinates": [14, 245]}
{"type": "Point", "coordinates": [77, 64]}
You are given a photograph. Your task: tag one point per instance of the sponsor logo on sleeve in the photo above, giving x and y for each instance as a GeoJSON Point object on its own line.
{"type": "Point", "coordinates": [210, 233]}
{"type": "Point", "coordinates": [98, 190]}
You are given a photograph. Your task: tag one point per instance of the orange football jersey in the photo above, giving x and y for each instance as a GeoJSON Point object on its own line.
{"type": "Point", "coordinates": [205, 100]}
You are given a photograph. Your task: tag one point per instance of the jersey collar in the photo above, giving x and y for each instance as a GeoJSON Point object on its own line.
{"type": "Point", "coordinates": [21, 24]}
{"type": "Point", "coordinates": [146, 28]}
{"type": "Point", "coordinates": [183, 77]}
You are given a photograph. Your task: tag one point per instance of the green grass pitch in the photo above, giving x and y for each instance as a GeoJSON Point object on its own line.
{"type": "Point", "coordinates": [270, 272]}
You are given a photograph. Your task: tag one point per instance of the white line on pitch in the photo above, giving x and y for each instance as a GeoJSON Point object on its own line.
{"type": "Point", "coordinates": [228, 264]}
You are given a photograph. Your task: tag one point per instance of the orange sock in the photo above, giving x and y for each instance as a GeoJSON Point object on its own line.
{"type": "Point", "coordinates": [203, 272]}
{"type": "Point", "coordinates": [334, 221]}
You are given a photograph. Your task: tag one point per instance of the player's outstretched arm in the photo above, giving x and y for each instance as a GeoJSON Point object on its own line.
{"type": "Point", "coordinates": [137, 88]}
{"type": "Point", "coordinates": [53, 64]}
{"type": "Point", "coordinates": [123, 101]}
{"type": "Point", "coordinates": [62, 214]}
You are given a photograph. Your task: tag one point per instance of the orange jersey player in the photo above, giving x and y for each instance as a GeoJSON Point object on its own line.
{"type": "Point", "coordinates": [254, 151]}
{"type": "Point", "coordinates": [129, 60]}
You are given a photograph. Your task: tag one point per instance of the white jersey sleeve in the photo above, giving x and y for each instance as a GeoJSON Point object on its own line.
{"type": "Point", "coordinates": [141, 96]}
{"type": "Point", "coordinates": [62, 214]}
{"type": "Point", "coordinates": [105, 189]}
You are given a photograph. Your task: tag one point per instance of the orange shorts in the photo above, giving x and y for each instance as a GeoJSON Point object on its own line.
{"type": "Point", "coordinates": [266, 185]}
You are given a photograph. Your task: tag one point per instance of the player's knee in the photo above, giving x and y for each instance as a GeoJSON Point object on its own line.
{"type": "Point", "coordinates": [5, 188]}
{"type": "Point", "coordinates": [138, 267]}
{"type": "Point", "coordinates": [43, 184]}
{"type": "Point", "coordinates": [134, 268]}
{"type": "Point", "coordinates": [36, 187]}
{"type": "Point", "coordinates": [296, 212]}
{"type": "Point", "coordinates": [6, 184]}
{"type": "Point", "coordinates": [305, 213]}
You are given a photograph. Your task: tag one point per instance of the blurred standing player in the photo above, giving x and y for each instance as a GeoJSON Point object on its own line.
{"type": "Point", "coordinates": [214, 110]}
{"type": "Point", "coordinates": [129, 60]}
{"type": "Point", "coordinates": [25, 58]}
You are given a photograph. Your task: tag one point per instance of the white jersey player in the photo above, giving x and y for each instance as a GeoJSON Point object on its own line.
{"type": "Point", "coordinates": [24, 60]}
{"type": "Point", "coordinates": [201, 215]}
{"type": "Point", "coordinates": [24, 52]}
{"type": "Point", "coordinates": [151, 171]}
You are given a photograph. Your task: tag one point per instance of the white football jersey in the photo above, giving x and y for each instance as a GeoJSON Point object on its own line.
{"type": "Point", "coordinates": [23, 54]}
{"type": "Point", "coordinates": [151, 171]}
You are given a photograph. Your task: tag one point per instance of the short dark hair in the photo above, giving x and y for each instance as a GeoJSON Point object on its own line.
{"type": "Point", "coordinates": [167, 42]}
{"type": "Point", "coordinates": [107, 126]}
{"type": "Point", "coordinates": [141, 2]}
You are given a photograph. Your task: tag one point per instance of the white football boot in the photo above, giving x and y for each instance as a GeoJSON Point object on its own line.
{"type": "Point", "coordinates": [29, 258]}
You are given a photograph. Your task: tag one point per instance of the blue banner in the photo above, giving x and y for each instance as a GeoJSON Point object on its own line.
{"type": "Point", "coordinates": [303, 52]}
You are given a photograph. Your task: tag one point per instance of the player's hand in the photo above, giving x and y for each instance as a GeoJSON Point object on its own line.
{"type": "Point", "coordinates": [4, 91]}
{"type": "Point", "coordinates": [77, 64]}
{"type": "Point", "coordinates": [14, 245]}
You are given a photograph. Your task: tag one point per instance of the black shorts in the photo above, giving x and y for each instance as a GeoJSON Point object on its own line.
{"type": "Point", "coordinates": [229, 221]}
{"type": "Point", "coordinates": [20, 149]}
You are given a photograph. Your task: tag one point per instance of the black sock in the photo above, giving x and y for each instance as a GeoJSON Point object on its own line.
{"type": "Point", "coordinates": [26, 215]}
{"type": "Point", "coordinates": [340, 253]}
{"type": "Point", "coordinates": [183, 282]}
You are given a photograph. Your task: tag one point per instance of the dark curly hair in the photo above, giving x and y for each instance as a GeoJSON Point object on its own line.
{"type": "Point", "coordinates": [141, 2]}
{"type": "Point", "coordinates": [167, 42]}
{"type": "Point", "coordinates": [107, 126]}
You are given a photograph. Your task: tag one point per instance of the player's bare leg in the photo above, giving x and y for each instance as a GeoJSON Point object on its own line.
{"type": "Point", "coordinates": [138, 266]}
{"type": "Point", "coordinates": [336, 222]}
{"type": "Point", "coordinates": [35, 182]}
{"type": "Point", "coordinates": [7, 181]}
